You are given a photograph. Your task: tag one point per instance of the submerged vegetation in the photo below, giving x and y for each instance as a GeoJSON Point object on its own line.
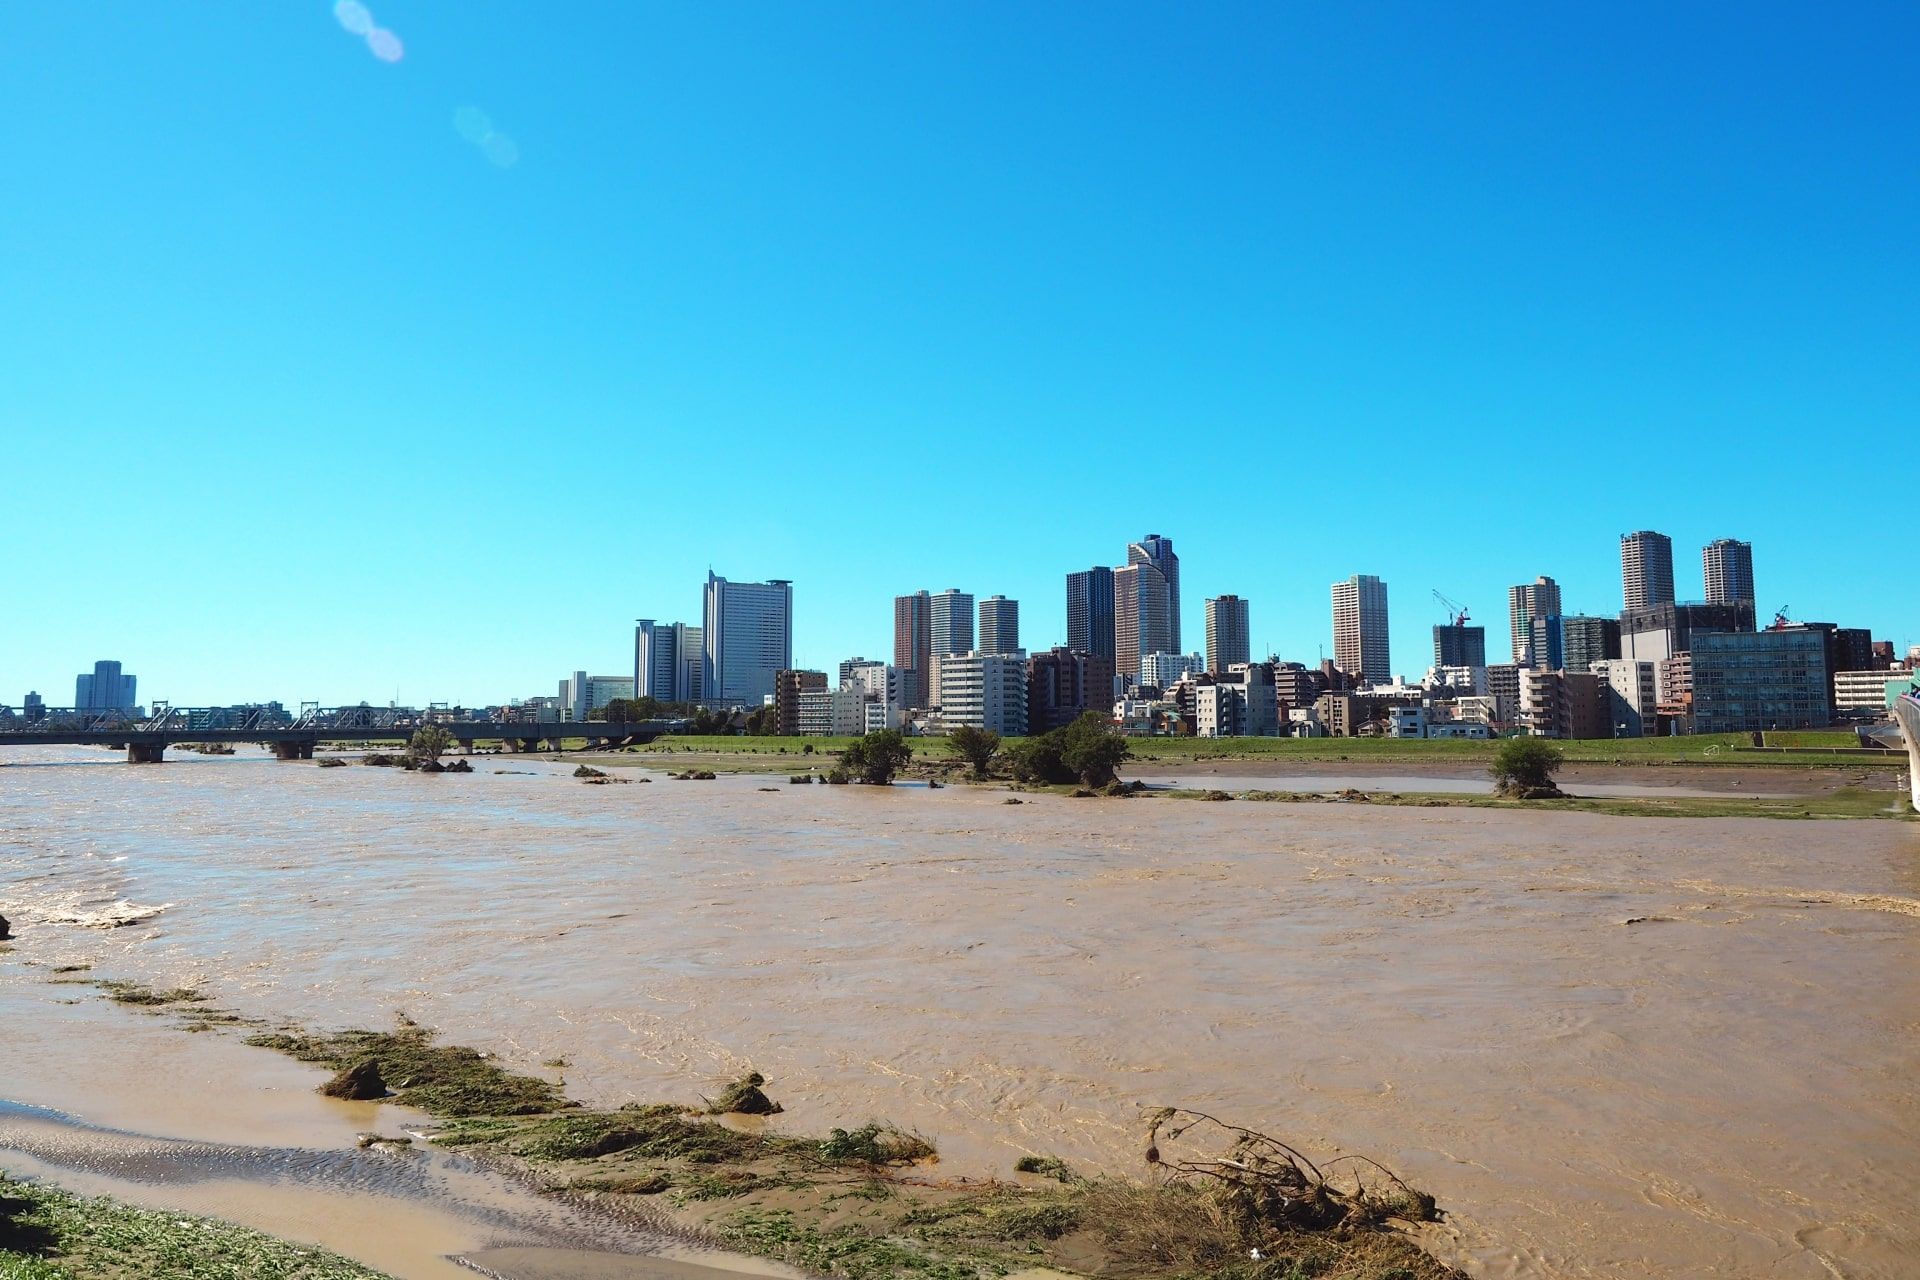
{"type": "Point", "coordinates": [447, 1080]}
{"type": "Point", "coordinates": [49, 1234]}
{"type": "Point", "coordinates": [862, 1203]}
{"type": "Point", "coordinates": [876, 758]}
{"type": "Point", "coordinates": [1088, 752]}
{"type": "Point", "coordinates": [135, 993]}
{"type": "Point", "coordinates": [744, 1097]}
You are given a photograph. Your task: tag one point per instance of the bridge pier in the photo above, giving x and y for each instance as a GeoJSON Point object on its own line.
{"type": "Point", "coordinates": [146, 752]}
{"type": "Point", "coordinates": [466, 746]}
{"type": "Point", "coordinates": [293, 750]}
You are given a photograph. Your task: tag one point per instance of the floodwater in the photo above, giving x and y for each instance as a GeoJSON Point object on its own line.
{"type": "Point", "coordinates": [1729, 1085]}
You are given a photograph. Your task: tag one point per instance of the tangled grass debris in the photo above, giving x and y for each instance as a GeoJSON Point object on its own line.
{"type": "Point", "coordinates": [447, 1080]}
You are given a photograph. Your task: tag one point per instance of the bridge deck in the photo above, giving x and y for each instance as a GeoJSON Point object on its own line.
{"type": "Point", "coordinates": [460, 730]}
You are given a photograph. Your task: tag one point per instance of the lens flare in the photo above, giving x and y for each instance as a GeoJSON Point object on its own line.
{"type": "Point", "coordinates": [473, 124]}
{"type": "Point", "coordinates": [386, 46]}
{"type": "Point", "coordinates": [354, 16]}
{"type": "Point", "coordinates": [501, 151]}
{"type": "Point", "coordinates": [476, 126]}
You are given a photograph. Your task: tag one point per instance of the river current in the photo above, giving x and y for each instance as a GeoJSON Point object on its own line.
{"type": "Point", "coordinates": [1610, 1046]}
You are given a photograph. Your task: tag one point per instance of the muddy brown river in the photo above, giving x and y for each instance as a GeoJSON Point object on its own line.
{"type": "Point", "coordinates": [1729, 1085]}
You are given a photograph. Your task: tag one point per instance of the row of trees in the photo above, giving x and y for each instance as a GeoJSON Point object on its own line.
{"type": "Point", "coordinates": [1088, 751]}
{"type": "Point", "coordinates": [644, 709]}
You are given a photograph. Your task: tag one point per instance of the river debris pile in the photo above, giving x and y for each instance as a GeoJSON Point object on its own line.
{"type": "Point", "coordinates": [358, 1083]}
{"type": "Point", "coordinates": [1263, 1184]}
{"type": "Point", "coordinates": [744, 1097]}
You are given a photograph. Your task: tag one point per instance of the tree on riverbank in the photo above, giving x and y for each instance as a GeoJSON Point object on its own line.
{"type": "Point", "coordinates": [1523, 769]}
{"type": "Point", "coordinates": [1088, 751]}
{"type": "Point", "coordinates": [876, 758]}
{"type": "Point", "coordinates": [429, 743]}
{"type": "Point", "coordinates": [976, 746]}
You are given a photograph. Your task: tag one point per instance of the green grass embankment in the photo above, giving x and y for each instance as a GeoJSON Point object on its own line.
{"type": "Point", "coordinates": [1814, 749]}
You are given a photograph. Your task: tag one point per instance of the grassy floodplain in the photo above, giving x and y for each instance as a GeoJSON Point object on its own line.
{"type": "Point", "coordinates": [1825, 748]}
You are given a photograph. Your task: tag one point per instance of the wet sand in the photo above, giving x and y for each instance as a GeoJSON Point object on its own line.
{"type": "Point", "coordinates": [1726, 1087]}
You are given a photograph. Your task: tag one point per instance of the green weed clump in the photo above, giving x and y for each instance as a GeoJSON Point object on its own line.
{"type": "Point", "coordinates": [745, 1097]}
{"type": "Point", "coordinates": [446, 1080]}
{"type": "Point", "coordinates": [136, 994]}
{"type": "Point", "coordinates": [655, 1131]}
{"type": "Point", "coordinates": [844, 1251]}
{"type": "Point", "coordinates": [1046, 1167]}
{"type": "Point", "coordinates": [874, 1144]}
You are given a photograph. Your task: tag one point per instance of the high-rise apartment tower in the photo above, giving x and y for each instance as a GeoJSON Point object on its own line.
{"type": "Point", "coordinates": [1227, 638]}
{"type": "Point", "coordinates": [1360, 629]}
{"type": "Point", "coordinates": [1646, 568]}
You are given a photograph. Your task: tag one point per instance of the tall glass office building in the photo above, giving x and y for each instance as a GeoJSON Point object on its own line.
{"type": "Point", "coordinates": [748, 636]}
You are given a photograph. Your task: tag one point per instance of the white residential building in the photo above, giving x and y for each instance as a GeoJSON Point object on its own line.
{"type": "Point", "coordinates": [1164, 670]}
{"type": "Point", "coordinates": [1481, 709]}
{"type": "Point", "coordinates": [1868, 690]}
{"type": "Point", "coordinates": [815, 716]}
{"type": "Point", "coordinates": [1458, 729]}
{"type": "Point", "coordinates": [1633, 692]}
{"type": "Point", "coordinates": [1462, 680]}
{"type": "Point", "coordinates": [1406, 722]}
{"type": "Point", "coordinates": [1237, 704]}
{"type": "Point", "coordinates": [984, 690]}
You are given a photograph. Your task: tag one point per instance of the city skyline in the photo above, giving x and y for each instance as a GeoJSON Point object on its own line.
{"type": "Point", "coordinates": [271, 278]}
{"type": "Point", "coordinates": [1412, 654]}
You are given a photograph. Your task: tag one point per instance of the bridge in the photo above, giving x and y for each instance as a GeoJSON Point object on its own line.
{"type": "Point", "coordinates": [146, 740]}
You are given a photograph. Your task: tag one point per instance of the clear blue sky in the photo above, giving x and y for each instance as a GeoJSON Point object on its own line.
{"type": "Point", "coordinates": [328, 376]}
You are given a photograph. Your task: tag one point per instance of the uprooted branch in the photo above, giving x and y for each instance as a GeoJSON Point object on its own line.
{"type": "Point", "coordinates": [1265, 1184]}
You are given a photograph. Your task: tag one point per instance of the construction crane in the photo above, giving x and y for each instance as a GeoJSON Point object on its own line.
{"type": "Point", "coordinates": [1455, 610]}
{"type": "Point", "coordinates": [1780, 618]}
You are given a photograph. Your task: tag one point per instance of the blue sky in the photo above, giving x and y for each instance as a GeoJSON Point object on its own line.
{"type": "Point", "coordinates": [325, 376]}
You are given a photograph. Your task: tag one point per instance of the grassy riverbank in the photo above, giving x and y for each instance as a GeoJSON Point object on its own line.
{"type": "Point", "coordinates": [49, 1234]}
{"type": "Point", "coordinates": [866, 1203]}
{"type": "Point", "coordinates": [1808, 749]}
